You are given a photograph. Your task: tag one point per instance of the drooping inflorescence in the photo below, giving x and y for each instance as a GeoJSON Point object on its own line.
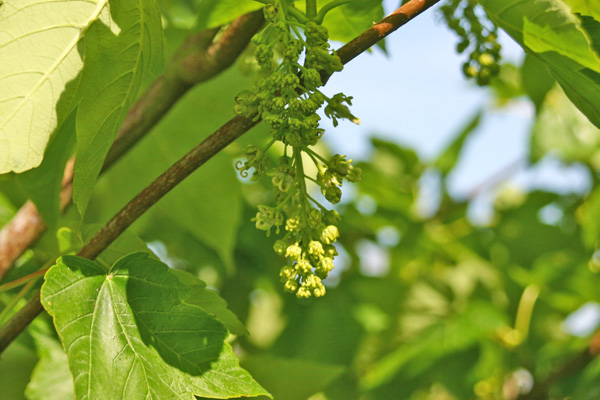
{"type": "Point", "coordinates": [478, 35]}
{"type": "Point", "coordinates": [287, 99]}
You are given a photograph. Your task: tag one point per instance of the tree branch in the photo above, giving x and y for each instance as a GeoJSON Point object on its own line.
{"type": "Point", "coordinates": [216, 142]}
{"type": "Point", "coordinates": [197, 60]}
{"type": "Point", "coordinates": [383, 28]}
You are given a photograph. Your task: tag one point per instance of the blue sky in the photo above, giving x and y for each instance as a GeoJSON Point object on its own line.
{"type": "Point", "coordinates": [418, 97]}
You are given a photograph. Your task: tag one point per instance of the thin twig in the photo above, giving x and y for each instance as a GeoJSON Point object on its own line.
{"type": "Point", "coordinates": [216, 142]}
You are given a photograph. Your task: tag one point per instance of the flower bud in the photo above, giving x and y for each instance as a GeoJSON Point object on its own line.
{"type": "Point", "coordinates": [280, 247]}
{"type": "Point", "coordinates": [330, 234]}
{"type": "Point", "coordinates": [333, 194]}
{"type": "Point", "coordinates": [332, 217]}
{"type": "Point", "coordinates": [290, 286]}
{"type": "Point", "coordinates": [293, 252]}
{"type": "Point", "coordinates": [315, 248]}
{"type": "Point", "coordinates": [287, 273]}
{"type": "Point", "coordinates": [303, 267]}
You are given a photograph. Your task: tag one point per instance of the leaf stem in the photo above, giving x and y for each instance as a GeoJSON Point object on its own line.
{"type": "Point", "coordinates": [311, 9]}
{"type": "Point", "coordinates": [16, 299]}
{"type": "Point", "coordinates": [23, 280]}
{"type": "Point", "coordinates": [328, 7]}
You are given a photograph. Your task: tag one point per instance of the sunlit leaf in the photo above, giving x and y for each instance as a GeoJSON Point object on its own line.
{"type": "Point", "coordinates": [554, 35]}
{"type": "Point", "coordinates": [40, 52]}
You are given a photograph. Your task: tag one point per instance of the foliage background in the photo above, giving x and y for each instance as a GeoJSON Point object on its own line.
{"type": "Point", "coordinates": [431, 300]}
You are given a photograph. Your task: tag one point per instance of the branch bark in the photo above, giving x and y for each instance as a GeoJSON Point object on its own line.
{"type": "Point", "coordinates": [216, 142]}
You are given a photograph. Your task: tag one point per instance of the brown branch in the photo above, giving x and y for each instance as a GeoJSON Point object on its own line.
{"type": "Point", "coordinates": [383, 28]}
{"type": "Point", "coordinates": [197, 60]}
{"type": "Point", "coordinates": [216, 142]}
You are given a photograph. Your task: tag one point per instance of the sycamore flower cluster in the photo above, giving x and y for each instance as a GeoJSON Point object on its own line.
{"type": "Point", "coordinates": [287, 99]}
{"type": "Point", "coordinates": [467, 19]}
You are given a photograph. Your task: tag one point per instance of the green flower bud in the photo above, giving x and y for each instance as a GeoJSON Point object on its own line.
{"type": "Point", "coordinates": [319, 291]}
{"type": "Point", "coordinates": [280, 247]}
{"type": "Point", "coordinates": [486, 60]}
{"type": "Point", "coordinates": [312, 78]}
{"type": "Point", "coordinates": [330, 234]}
{"type": "Point", "coordinates": [332, 217]}
{"type": "Point", "coordinates": [303, 293]}
{"type": "Point", "coordinates": [314, 217]}
{"type": "Point", "coordinates": [315, 248]}
{"type": "Point", "coordinates": [287, 273]}
{"type": "Point", "coordinates": [293, 252]}
{"type": "Point", "coordinates": [330, 251]}
{"type": "Point", "coordinates": [333, 194]}
{"type": "Point", "coordinates": [326, 265]}
{"type": "Point", "coordinates": [303, 266]}
{"type": "Point", "coordinates": [290, 286]}
{"type": "Point", "coordinates": [267, 217]}
{"type": "Point", "coordinates": [270, 12]}
{"type": "Point", "coordinates": [354, 175]}
{"type": "Point", "coordinates": [292, 224]}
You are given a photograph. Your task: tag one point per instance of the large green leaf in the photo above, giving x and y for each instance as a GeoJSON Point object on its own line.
{"type": "Point", "coordinates": [77, 61]}
{"type": "Point", "coordinates": [118, 55]}
{"type": "Point", "coordinates": [548, 30]}
{"type": "Point", "coordinates": [536, 80]}
{"type": "Point", "coordinates": [544, 26]}
{"type": "Point", "coordinates": [39, 49]}
{"type": "Point", "coordinates": [128, 335]}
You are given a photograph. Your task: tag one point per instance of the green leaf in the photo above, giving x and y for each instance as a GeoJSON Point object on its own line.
{"type": "Point", "coordinates": [585, 7]}
{"type": "Point", "coordinates": [448, 159]}
{"type": "Point", "coordinates": [43, 184]}
{"type": "Point", "coordinates": [51, 378]}
{"type": "Point", "coordinates": [210, 301]}
{"type": "Point", "coordinates": [128, 335]}
{"type": "Point", "coordinates": [563, 131]}
{"type": "Point", "coordinates": [292, 379]}
{"type": "Point", "coordinates": [350, 20]}
{"type": "Point", "coordinates": [536, 80]}
{"type": "Point", "coordinates": [214, 13]}
{"type": "Point", "coordinates": [560, 41]}
{"type": "Point", "coordinates": [544, 26]}
{"type": "Point", "coordinates": [454, 335]}
{"type": "Point", "coordinates": [590, 220]}
{"type": "Point", "coordinates": [39, 45]}
{"type": "Point", "coordinates": [118, 55]}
